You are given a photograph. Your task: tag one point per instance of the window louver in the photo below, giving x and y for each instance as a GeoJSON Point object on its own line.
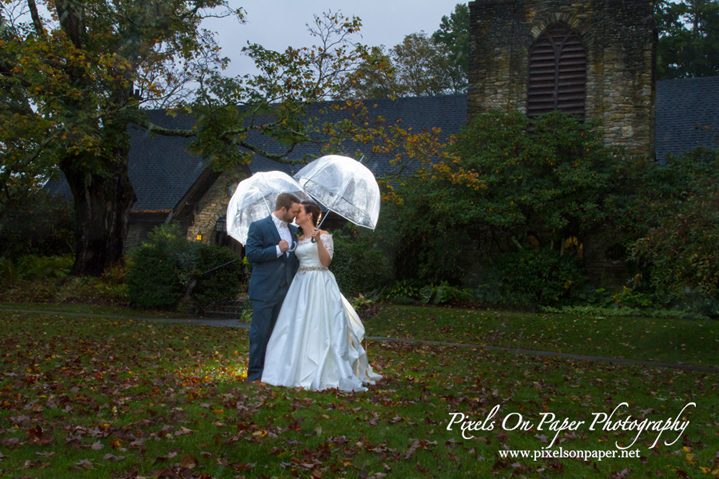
{"type": "Point", "coordinates": [557, 72]}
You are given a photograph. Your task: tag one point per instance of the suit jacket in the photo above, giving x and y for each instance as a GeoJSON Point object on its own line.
{"type": "Point", "coordinates": [271, 276]}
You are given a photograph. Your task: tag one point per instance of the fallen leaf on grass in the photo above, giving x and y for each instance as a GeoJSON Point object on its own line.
{"type": "Point", "coordinates": [189, 461]}
{"type": "Point", "coordinates": [28, 464]}
{"type": "Point", "coordinates": [238, 466]}
{"type": "Point", "coordinates": [10, 441]}
{"type": "Point", "coordinates": [620, 475]}
{"type": "Point", "coordinates": [112, 457]}
{"type": "Point", "coordinates": [84, 464]}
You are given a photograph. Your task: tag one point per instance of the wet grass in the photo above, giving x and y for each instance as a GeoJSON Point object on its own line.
{"type": "Point", "coordinates": [98, 397]}
{"type": "Point", "coordinates": [648, 339]}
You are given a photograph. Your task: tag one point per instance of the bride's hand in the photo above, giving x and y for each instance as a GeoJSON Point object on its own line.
{"type": "Point", "coordinates": [316, 234]}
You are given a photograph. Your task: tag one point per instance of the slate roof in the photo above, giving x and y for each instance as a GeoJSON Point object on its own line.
{"type": "Point", "coordinates": [162, 171]}
{"type": "Point", "coordinates": [682, 106]}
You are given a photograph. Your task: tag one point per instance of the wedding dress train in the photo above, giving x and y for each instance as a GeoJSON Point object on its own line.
{"type": "Point", "coordinates": [317, 340]}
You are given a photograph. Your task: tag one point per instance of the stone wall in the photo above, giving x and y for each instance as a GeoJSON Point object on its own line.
{"type": "Point", "coordinates": [620, 42]}
{"type": "Point", "coordinates": [213, 205]}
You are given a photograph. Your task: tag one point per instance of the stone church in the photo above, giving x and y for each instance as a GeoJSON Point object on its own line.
{"type": "Point", "coordinates": [593, 58]}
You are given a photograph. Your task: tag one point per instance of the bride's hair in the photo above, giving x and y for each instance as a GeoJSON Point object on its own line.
{"type": "Point", "coordinates": [314, 209]}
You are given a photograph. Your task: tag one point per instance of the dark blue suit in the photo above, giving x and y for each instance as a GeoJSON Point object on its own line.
{"type": "Point", "coordinates": [270, 280]}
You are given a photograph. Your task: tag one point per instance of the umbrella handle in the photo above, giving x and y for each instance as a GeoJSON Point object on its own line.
{"type": "Point", "coordinates": [313, 240]}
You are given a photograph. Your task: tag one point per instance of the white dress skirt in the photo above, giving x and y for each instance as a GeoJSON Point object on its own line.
{"type": "Point", "coordinates": [317, 341]}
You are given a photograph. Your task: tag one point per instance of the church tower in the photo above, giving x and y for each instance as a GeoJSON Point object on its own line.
{"type": "Point", "coordinates": [593, 58]}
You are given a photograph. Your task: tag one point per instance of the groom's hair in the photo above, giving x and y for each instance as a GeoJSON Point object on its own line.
{"type": "Point", "coordinates": [314, 209]}
{"type": "Point", "coordinates": [285, 200]}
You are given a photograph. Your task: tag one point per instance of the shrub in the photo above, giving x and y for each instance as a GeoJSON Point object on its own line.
{"type": "Point", "coordinates": [41, 225]}
{"type": "Point", "coordinates": [504, 185]}
{"type": "Point", "coordinates": [633, 299]}
{"type": "Point", "coordinates": [444, 293]}
{"type": "Point", "coordinates": [43, 267]}
{"type": "Point", "coordinates": [407, 288]}
{"type": "Point", "coordinates": [358, 263]}
{"type": "Point", "coordinates": [9, 274]}
{"type": "Point", "coordinates": [246, 312]}
{"type": "Point", "coordinates": [46, 279]}
{"type": "Point", "coordinates": [161, 268]}
{"type": "Point", "coordinates": [534, 277]}
{"type": "Point", "coordinates": [401, 300]}
{"type": "Point", "coordinates": [683, 251]}
{"type": "Point", "coordinates": [221, 284]}
{"type": "Point", "coordinates": [91, 290]}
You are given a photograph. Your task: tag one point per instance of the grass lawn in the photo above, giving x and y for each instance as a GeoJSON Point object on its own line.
{"type": "Point", "coordinates": [648, 339]}
{"type": "Point", "coordinates": [98, 397]}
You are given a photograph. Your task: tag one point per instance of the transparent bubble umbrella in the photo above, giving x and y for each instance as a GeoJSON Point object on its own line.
{"type": "Point", "coordinates": [343, 185]}
{"type": "Point", "coordinates": [255, 199]}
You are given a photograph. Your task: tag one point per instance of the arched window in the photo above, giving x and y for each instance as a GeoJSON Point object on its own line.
{"type": "Point", "coordinates": [557, 72]}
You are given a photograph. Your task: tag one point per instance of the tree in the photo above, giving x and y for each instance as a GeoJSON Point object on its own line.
{"type": "Point", "coordinates": [688, 39]}
{"type": "Point", "coordinates": [374, 78]}
{"type": "Point", "coordinates": [677, 225]}
{"type": "Point", "coordinates": [453, 36]}
{"type": "Point", "coordinates": [684, 249]}
{"type": "Point", "coordinates": [73, 81]}
{"type": "Point", "coordinates": [504, 189]}
{"type": "Point", "coordinates": [421, 65]}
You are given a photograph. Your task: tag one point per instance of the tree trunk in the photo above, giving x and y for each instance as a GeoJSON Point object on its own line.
{"type": "Point", "coordinates": [102, 207]}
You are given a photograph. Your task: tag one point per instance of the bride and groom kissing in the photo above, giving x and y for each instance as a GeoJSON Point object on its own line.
{"type": "Point", "coordinates": [304, 333]}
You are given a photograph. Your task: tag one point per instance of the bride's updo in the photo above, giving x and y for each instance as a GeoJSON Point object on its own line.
{"type": "Point", "coordinates": [314, 209]}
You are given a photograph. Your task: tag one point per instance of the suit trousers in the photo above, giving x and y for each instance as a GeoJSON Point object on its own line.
{"type": "Point", "coordinates": [264, 317]}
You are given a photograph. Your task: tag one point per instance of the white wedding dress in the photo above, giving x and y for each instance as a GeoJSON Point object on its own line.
{"type": "Point", "coordinates": [317, 340]}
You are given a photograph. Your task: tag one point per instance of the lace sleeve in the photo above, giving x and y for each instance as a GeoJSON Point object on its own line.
{"type": "Point", "coordinates": [328, 243]}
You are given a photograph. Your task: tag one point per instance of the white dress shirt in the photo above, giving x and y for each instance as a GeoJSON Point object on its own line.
{"type": "Point", "coordinates": [284, 232]}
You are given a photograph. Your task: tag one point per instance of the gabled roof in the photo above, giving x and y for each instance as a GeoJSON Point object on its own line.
{"type": "Point", "coordinates": [684, 108]}
{"type": "Point", "coordinates": [162, 171]}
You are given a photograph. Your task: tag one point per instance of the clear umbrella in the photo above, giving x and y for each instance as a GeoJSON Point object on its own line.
{"type": "Point", "coordinates": [343, 185]}
{"type": "Point", "coordinates": [255, 198]}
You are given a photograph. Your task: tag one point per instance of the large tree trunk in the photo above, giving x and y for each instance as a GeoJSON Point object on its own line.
{"type": "Point", "coordinates": [102, 208]}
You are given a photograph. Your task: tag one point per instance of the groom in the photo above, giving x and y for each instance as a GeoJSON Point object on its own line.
{"type": "Point", "coordinates": [270, 248]}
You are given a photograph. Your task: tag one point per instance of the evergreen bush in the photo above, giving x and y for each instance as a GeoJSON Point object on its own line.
{"type": "Point", "coordinates": [510, 183]}
{"type": "Point", "coordinates": [161, 268]}
{"type": "Point", "coordinates": [534, 277]}
{"type": "Point", "coordinates": [359, 264]}
{"type": "Point", "coordinates": [221, 284]}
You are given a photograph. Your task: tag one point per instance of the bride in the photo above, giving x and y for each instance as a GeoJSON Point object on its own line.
{"type": "Point", "coordinates": [316, 342]}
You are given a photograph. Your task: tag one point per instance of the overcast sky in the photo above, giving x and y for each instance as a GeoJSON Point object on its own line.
{"type": "Point", "coordinates": [276, 24]}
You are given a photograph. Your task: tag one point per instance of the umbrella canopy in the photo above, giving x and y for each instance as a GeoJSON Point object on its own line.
{"type": "Point", "coordinates": [344, 186]}
{"type": "Point", "coordinates": [255, 199]}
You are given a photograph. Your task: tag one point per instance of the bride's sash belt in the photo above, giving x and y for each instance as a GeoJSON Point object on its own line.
{"type": "Point", "coordinates": [305, 269]}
